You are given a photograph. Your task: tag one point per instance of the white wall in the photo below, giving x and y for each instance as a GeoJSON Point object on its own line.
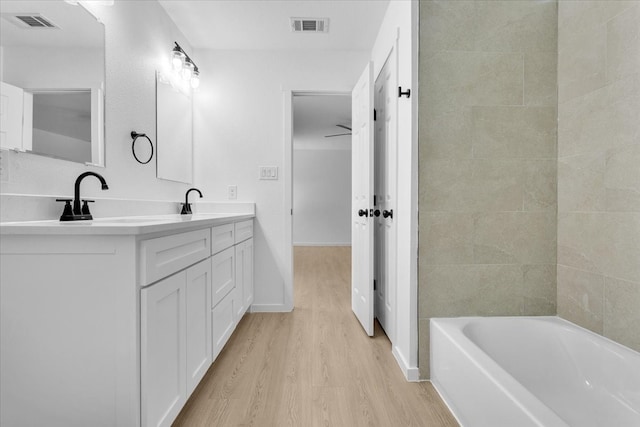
{"type": "Point", "coordinates": [239, 126]}
{"type": "Point", "coordinates": [401, 21]}
{"type": "Point", "coordinates": [322, 197]}
{"type": "Point", "coordinates": [139, 35]}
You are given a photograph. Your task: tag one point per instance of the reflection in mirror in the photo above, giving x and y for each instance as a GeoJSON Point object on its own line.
{"type": "Point", "coordinates": [52, 80]}
{"type": "Point", "coordinates": [174, 143]}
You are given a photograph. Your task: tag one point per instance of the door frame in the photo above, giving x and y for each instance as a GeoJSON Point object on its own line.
{"type": "Point", "coordinates": [287, 174]}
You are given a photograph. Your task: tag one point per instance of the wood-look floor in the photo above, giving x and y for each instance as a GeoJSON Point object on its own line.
{"type": "Point", "coordinates": [314, 366]}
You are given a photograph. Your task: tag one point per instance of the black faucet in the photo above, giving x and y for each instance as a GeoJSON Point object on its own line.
{"type": "Point", "coordinates": [186, 207]}
{"type": "Point", "coordinates": [80, 213]}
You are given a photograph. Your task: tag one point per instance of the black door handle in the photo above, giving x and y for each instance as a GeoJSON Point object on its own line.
{"type": "Point", "coordinates": [376, 213]}
{"type": "Point", "coordinates": [363, 212]}
{"type": "Point", "coordinates": [387, 213]}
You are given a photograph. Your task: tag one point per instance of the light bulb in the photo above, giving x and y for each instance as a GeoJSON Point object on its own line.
{"type": "Point", "coordinates": [195, 79]}
{"type": "Point", "coordinates": [177, 59]}
{"type": "Point", "coordinates": [187, 70]}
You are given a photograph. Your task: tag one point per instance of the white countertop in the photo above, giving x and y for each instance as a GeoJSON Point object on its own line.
{"type": "Point", "coordinates": [131, 225]}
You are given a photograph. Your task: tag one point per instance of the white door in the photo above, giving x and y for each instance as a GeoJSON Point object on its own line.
{"type": "Point", "coordinates": [11, 109]}
{"type": "Point", "coordinates": [385, 194]}
{"type": "Point", "coordinates": [163, 350]}
{"type": "Point", "coordinates": [198, 327]}
{"type": "Point", "coordinates": [362, 200]}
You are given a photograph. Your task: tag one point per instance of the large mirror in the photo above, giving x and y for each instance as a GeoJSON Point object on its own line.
{"type": "Point", "coordinates": [52, 73]}
{"type": "Point", "coordinates": [174, 136]}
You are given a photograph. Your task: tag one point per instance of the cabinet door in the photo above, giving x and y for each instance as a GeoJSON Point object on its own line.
{"type": "Point", "coordinates": [244, 277]}
{"type": "Point", "coordinates": [198, 332]}
{"type": "Point", "coordinates": [223, 323]}
{"type": "Point", "coordinates": [222, 275]}
{"type": "Point", "coordinates": [239, 306]}
{"type": "Point", "coordinates": [163, 345]}
{"type": "Point", "coordinates": [247, 274]}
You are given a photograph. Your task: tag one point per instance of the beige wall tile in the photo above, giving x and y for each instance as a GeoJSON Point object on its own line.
{"type": "Point", "coordinates": [539, 290]}
{"type": "Point", "coordinates": [471, 185]}
{"type": "Point", "coordinates": [515, 238]}
{"type": "Point", "coordinates": [540, 185]}
{"type": "Point", "coordinates": [576, 15]}
{"type": "Point", "coordinates": [445, 238]}
{"type": "Point", "coordinates": [446, 135]}
{"type": "Point", "coordinates": [581, 183]}
{"type": "Point", "coordinates": [602, 243]}
{"type": "Point", "coordinates": [472, 290]}
{"type": "Point", "coordinates": [458, 79]}
{"type": "Point", "coordinates": [601, 120]}
{"type": "Point", "coordinates": [424, 347]}
{"type": "Point", "coordinates": [576, 232]}
{"type": "Point", "coordinates": [622, 312]}
{"type": "Point", "coordinates": [623, 44]}
{"type": "Point", "coordinates": [447, 25]}
{"type": "Point", "coordinates": [580, 297]}
{"type": "Point", "coordinates": [508, 26]}
{"type": "Point", "coordinates": [514, 132]}
{"type": "Point", "coordinates": [444, 183]}
{"type": "Point", "coordinates": [622, 178]}
{"type": "Point", "coordinates": [541, 78]}
{"type": "Point", "coordinates": [581, 60]}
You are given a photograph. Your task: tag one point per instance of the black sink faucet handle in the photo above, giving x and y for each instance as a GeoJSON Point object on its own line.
{"type": "Point", "coordinates": [85, 206]}
{"type": "Point", "coordinates": [67, 212]}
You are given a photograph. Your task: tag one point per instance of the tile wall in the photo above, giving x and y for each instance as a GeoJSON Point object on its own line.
{"type": "Point", "coordinates": [488, 158]}
{"type": "Point", "coordinates": [599, 167]}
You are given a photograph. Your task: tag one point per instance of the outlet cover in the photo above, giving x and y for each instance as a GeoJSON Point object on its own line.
{"type": "Point", "coordinates": [269, 172]}
{"type": "Point", "coordinates": [233, 192]}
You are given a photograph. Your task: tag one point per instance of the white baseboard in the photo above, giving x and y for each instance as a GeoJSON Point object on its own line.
{"type": "Point", "coordinates": [270, 308]}
{"type": "Point", "coordinates": [412, 374]}
{"type": "Point", "coordinates": [321, 244]}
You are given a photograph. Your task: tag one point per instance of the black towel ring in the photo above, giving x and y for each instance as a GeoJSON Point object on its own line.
{"type": "Point", "coordinates": [135, 135]}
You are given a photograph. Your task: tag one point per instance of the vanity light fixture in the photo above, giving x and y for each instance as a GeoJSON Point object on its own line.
{"type": "Point", "coordinates": [184, 66]}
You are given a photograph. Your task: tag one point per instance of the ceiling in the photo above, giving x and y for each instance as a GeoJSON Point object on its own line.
{"type": "Point", "coordinates": [315, 116]}
{"type": "Point", "coordinates": [265, 24]}
{"type": "Point", "coordinates": [77, 27]}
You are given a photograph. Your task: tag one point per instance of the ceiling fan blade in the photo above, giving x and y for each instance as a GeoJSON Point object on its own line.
{"type": "Point", "coordinates": [338, 134]}
{"type": "Point", "coordinates": [344, 127]}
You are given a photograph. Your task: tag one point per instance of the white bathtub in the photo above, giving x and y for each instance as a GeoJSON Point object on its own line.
{"type": "Point", "coordinates": [533, 371]}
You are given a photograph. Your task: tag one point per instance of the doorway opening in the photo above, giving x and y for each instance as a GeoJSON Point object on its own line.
{"type": "Point", "coordinates": [321, 178]}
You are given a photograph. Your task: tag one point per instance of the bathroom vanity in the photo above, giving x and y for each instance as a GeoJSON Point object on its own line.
{"type": "Point", "coordinates": [114, 322]}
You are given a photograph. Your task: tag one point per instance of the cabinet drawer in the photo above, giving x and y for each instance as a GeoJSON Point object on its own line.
{"type": "Point", "coordinates": [222, 237]}
{"type": "Point", "coordinates": [164, 256]}
{"type": "Point", "coordinates": [244, 230]}
{"type": "Point", "coordinates": [222, 275]}
{"type": "Point", "coordinates": [222, 324]}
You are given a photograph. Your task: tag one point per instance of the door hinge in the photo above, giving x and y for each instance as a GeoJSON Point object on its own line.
{"type": "Point", "coordinates": [375, 115]}
{"type": "Point", "coordinates": [406, 93]}
{"type": "Point", "coordinates": [291, 211]}
{"type": "Point", "coordinates": [375, 284]}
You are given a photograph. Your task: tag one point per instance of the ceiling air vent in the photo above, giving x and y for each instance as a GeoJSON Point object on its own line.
{"type": "Point", "coordinates": [310, 25]}
{"type": "Point", "coordinates": [31, 20]}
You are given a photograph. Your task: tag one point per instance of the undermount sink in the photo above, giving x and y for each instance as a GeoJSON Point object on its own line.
{"type": "Point", "coordinates": [131, 220]}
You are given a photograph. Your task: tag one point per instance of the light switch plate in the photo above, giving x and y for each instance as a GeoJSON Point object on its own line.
{"type": "Point", "coordinates": [268, 172]}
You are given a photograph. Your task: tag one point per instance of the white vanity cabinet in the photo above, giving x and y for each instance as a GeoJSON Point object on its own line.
{"type": "Point", "coordinates": [175, 341]}
{"type": "Point", "coordinates": [244, 267]}
{"type": "Point", "coordinates": [111, 324]}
